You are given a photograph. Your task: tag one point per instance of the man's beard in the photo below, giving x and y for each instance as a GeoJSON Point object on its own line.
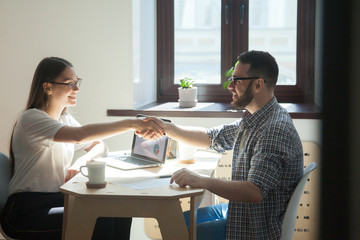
{"type": "Point", "coordinates": [243, 101]}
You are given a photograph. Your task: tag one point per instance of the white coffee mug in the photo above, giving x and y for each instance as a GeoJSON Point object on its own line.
{"type": "Point", "coordinates": [186, 152]}
{"type": "Point", "coordinates": [95, 172]}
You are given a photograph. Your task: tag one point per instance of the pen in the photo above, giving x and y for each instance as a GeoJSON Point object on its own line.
{"type": "Point", "coordinates": [164, 176]}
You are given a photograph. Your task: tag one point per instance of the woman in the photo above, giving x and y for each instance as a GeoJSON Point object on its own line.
{"type": "Point", "coordinates": [42, 147]}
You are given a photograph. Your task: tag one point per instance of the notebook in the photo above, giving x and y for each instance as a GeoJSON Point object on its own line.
{"type": "Point", "coordinates": [144, 154]}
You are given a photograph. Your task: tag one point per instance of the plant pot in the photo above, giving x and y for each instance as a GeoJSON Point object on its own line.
{"type": "Point", "coordinates": [187, 97]}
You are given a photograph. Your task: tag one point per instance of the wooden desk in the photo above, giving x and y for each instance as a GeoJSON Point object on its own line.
{"type": "Point", "coordinates": [83, 205]}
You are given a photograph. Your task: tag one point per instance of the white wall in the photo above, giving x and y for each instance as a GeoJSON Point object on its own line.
{"type": "Point", "coordinates": [144, 52]}
{"type": "Point", "coordinates": [96, 36]}
{"type": "Point", "coordinates": [106, 41]}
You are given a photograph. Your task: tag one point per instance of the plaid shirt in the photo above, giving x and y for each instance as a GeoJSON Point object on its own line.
{"type": "Point", "coordinates": [271, 158]}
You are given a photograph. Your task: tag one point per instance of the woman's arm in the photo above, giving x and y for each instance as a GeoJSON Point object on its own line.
{"type": "Point", "coordinates": [97, 149]}
{"type": "Point", "coordinates": [98, 131]}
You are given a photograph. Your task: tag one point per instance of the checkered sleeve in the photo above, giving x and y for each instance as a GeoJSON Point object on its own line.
{"type": "Point", "coordinates": [222, 138]}
{"type": "Point", "coordinates": [271, 154]}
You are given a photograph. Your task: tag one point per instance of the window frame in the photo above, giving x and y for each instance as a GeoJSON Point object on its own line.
{"type": "Point", "coordinates": [302, 92]}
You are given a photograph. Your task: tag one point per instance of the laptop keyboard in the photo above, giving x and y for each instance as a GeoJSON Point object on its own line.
{"type": "Point", "coordinates": [132, 160]}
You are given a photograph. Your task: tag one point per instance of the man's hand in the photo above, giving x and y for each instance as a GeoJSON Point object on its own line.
{"type": "Point", "coordinates": [185, 177]}
{"type": "Point", "coordinates": [158, 128]}
{"type": "Point", "coordinates": [70, 174]}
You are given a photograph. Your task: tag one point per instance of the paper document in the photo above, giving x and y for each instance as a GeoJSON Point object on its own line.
{"type": "Point", "coordinates": [143, 183]}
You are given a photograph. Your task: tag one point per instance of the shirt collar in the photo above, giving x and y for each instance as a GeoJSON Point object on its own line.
{"type": "Point", "coordinates": [251, 119]}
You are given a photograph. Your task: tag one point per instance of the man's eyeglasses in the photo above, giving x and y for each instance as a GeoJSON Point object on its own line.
{"type": "Point", "coordinates": [232, 78]}
{"type": "Point", "coordinates": [71, 85]}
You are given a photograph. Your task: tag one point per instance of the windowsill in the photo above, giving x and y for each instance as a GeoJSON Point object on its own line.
{"type": "Point", "coordinates": [212, 110]}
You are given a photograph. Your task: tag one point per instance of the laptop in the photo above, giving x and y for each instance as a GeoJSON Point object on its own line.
{"type": "Point", "coordinates": [144, 154]}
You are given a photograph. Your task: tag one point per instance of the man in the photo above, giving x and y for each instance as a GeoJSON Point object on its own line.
{"type": "Point", "coordinates": [267, 154]}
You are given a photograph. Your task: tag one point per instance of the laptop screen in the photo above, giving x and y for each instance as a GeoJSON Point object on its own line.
{"type": "Point", "coordinates": [155, 149]}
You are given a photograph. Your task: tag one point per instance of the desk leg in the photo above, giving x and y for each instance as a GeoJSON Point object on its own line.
{"type": "Point", "coordinates": [68, 203]}
{"type": "Point", "coordinates": [171, 219]}
{"type": "Point", "coordinates": [80, 219]}
{"type": "Point", "coordinates": [66, 214]}
{"type": "Point", "coordinates": [194, 205]}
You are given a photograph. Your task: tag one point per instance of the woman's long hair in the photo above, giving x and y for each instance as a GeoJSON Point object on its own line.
{"type": "Point", "coordinates": [47, 71]}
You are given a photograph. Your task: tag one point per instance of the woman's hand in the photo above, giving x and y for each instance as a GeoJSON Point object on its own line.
{"type": "Point", "coordinates": [70, 174]}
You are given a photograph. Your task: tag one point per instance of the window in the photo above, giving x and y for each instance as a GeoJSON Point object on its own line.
{"type": "Point", "coordinates": [202, 39]}
{"type": "Point", "coordinates": [272, 27]}
{"type": "Point", "coordinates": [197, 40]}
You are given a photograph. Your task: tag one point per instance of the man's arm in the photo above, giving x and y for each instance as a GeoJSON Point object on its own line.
{"type": "Point", "coordinates": [196, 136]}
{"type": "Point", "coordinates": [242, 191]}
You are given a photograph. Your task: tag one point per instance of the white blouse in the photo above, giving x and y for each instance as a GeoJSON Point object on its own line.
{"type": "Point", "coordinates": [40, 163]}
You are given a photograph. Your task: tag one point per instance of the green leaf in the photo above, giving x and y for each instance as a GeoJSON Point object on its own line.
{"type": "Point", "coordinates": [186, 82]}
{"type": "Point", "coordinates": [226, 84]}
{"type": "Point", "coordinates": [228, 74]}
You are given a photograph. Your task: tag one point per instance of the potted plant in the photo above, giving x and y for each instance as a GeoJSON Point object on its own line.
{"type": "Point", "coordinates": [187, 93]}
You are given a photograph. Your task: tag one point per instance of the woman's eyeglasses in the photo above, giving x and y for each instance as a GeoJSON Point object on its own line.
{"type": "Point", "coordinates": [71, 85]}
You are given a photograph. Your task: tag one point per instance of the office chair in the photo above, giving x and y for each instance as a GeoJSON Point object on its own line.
{"type": "Point", "coordinates": [4, 182]}
{"type": "Point", "coordinates": [288, 226]}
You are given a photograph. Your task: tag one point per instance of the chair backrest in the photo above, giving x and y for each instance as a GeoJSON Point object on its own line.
{"type": "Point", "coordinates": [4, 179]}
{"type": "Point", "coordinates": [291, 210]}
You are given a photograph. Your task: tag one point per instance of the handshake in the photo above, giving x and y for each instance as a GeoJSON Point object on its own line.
{"type": "Point", "coordinates": [150, 127]}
